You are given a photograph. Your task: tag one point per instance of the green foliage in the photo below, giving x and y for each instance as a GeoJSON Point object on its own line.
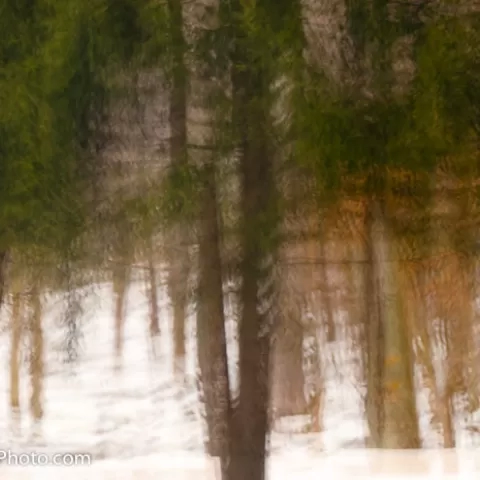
{"type": "Point", "coordinates": [339, 134]}
{"type": "Point", "coordinates": [448, 82]}
{"type": "Point", "coordinates": [60, 61]}
{"type": "Point", "coordinates": [57, 61]}
{"type": "Point", "coordinates": [180, 197]}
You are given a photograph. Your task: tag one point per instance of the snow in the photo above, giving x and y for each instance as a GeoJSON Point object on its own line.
{"type": "Point", "coordinates": [359, 465]}
{"type": "Point", "coordinates": [138, 423]}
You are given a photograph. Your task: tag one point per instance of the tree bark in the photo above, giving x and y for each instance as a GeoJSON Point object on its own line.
{"type": "Point", "coordinates": [211, 334]}
{"type": "Point", "coordinates": [120, 286]}
{"type": "Point", "coordinates": [4, 258]}
{"type": "Point", "coordinates": [288, 393]}
{"type": "Point", "coordinates": [177, 288]}
{"type": "Point", "coordinates": [154, 323]}
{"type": "Point", "coordinates": [326, 294]}
{"type": "Point", "coordinates": [314, 379]}
{"type": "Point", "coordinates": [17, 328]}
{"type": "Point", "coordinates": [259, 222]}
{"type": "Point", "coordinates": [440, 398]}
{"type": "Point", "coordinates": [396, 412]}
{"type": "Point", "coordinates": [374, 336]}
{"type": "Point", "coordinates": [36, 359]}
{"type": "Point", "coordinates": [177, 252]}
{"type": "Point", "coordinates": [211, 337]}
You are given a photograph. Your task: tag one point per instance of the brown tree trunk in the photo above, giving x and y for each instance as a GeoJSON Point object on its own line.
{"type": "Point", "coordinates": [211, 334]}
{"type": "Point", "coordinates": [440, 398]}
{"type": "Point", "coordinates": [446, 419]}
{"type": "Point", "coordinates": [374, 336]}
{"type": "Point", "coordinates": [177, 287]}
{"type": "Point", "coordinates": [314, 380]}
{"type": "Point", "coordinates": [453, 307]}
{"type": "Point", "coordinates": [17, 328]}
{"type": "Point", "coordinates": [397, 417]}
{"type": "Point", "coordinates": [288, 382]}
{"type": "Point", "coordinates": [326, 294]}
{"type": "Point", "coordinates": [211, 337]}
{"type": "Point", "coordinates": [177, 252]}
{"type": "Point", "coordinates": [259, 225]}
{"type": "Point", "coordinates": [36, 359]}
{"type": "Point", "coordinates": [466, 329]}
{"type": "Point", "coordinates": [120, 285]}
{"type": "Point", "coordinates": [4, 258]}
{"type": "Point", "coordinates": [154, 324]}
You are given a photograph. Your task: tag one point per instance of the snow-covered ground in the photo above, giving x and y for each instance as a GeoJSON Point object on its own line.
{"type": "Point", "coordinates": [136, 422]}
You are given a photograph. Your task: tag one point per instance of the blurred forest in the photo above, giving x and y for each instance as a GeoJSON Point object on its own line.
{"type": "Point", "coordinates": [307, 168]}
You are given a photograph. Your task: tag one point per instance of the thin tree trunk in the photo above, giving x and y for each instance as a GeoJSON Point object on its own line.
{"type": "Point", "coordinates": [374, 336]}
{"type": "Point", "coordinates": [15, 352]}
{"type": "Point", "coordinates": [446, 406]}
{"type": "Point", "coordinates": [178, 294]}
{"type": "Point", "coordinates": [326, 294]}
{"type": "Point", "coordinates": [36, 359]}
{"type": "Point", "coordinates": [177, 253]}
{"type": "Point", "coordinates": [154, 324]}
{"type": "Point", "coordinates": [4, 257]}
{"type": "Point", "coordinates": [315, 380]}
{"type": "Point", "coordinates": [120, 285]}
{"type": "Point", "coordinates": [448, 426]}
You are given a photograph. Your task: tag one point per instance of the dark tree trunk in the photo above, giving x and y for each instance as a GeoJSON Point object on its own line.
{"type": "Point", "coordinates": [211, 338]}
{"type": "Point", "coordinates": [211, 335]}
{"type": "Point", "coordinates": [178, 93]}
{"type": "Point", "coordinates": [259, 221]}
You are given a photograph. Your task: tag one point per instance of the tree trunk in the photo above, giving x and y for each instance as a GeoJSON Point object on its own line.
{"type": "Point", "coordinates": [374, 337]}
{"type": "Point", "coordinates": [259, 225]}
{"type": "Point", "coordinates": [4, 258]}
{"type": "Point", "coordinates": [120, 285]}
{"type": "Point", "coordinates": [36, 359]}
{"type": "Point", "coordinates": [17, 328]}
{"type": "Point", "coordinates": [314, 379]}
{"type": "Point", "coordinates": [154, 324]}
{"type": "Point", "coordinates": [446, 382]}
{"type": "Point", "coordinates": [177, 253]}
{"type": "Point", "coordinates": [464, 326]}
{"type": "Point", "coordinates": [453, 307]}
{"type": "Point", "coordinates": [448, 426]}
{"type": "Point", "coordinates": [288, 393]}
{"type": "Point", "coordinates": [326, 294]}
{"type": "Point", "coordinates": [398, 403]}
{"type": "Point", "coordinates": [177, 288]}
{"type": "Point", "coordinates": [440, 398]}
{"type": "Point", "coordinates": [211, 335]}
